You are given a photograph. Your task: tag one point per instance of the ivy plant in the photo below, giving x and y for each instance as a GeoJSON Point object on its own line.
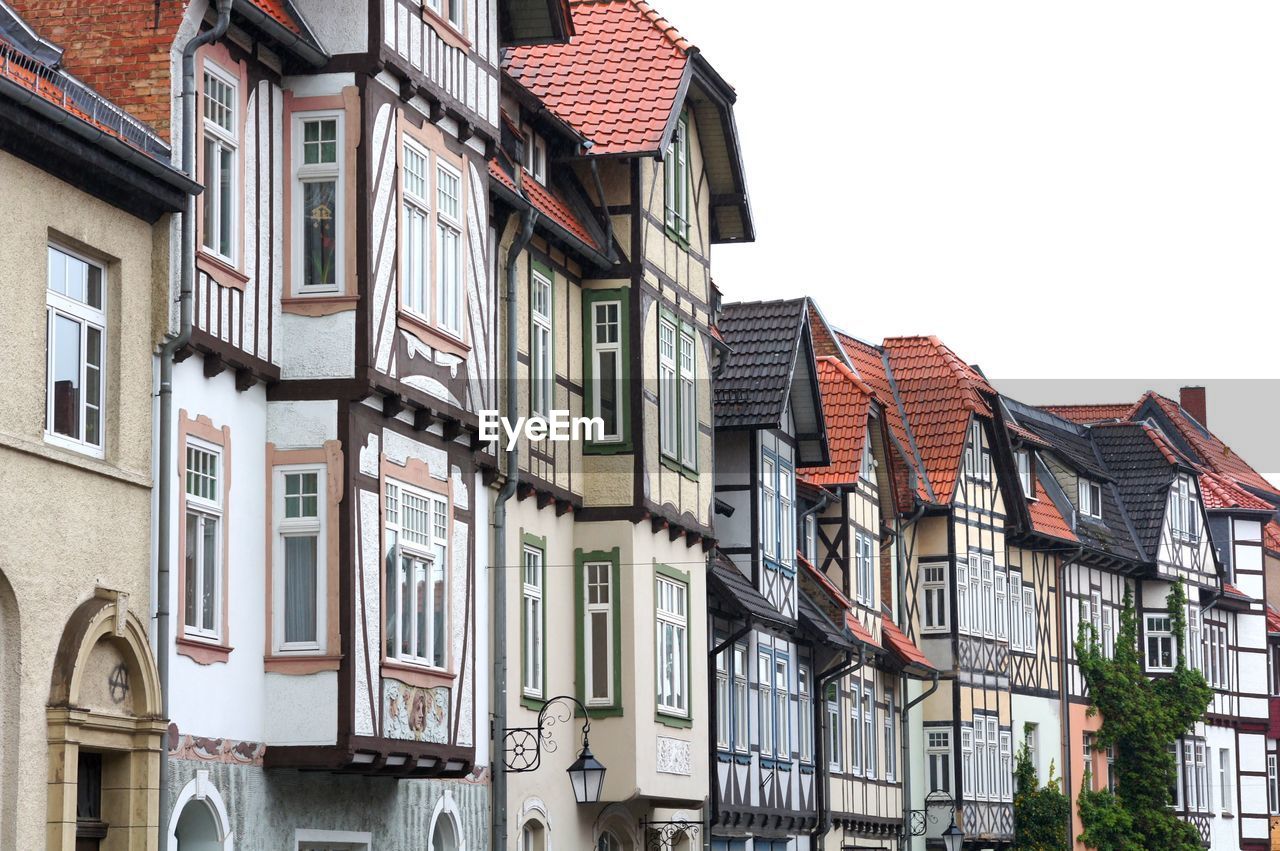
{"type": "Point", "coordinates": [1041, 814]}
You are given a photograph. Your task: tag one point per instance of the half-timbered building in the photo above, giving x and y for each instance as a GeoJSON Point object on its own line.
{"type": "Point", "coordinates": [604, 220]}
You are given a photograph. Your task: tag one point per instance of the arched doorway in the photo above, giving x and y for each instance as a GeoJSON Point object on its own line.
{"type": "Point", "coordinates": [105, 730]}
{"type": "Point", "coordinates": [10, 669]}
{"type": "Point", "coordinates": [199, 821]}
{"type": "Point", "coordinates": [446, 834]}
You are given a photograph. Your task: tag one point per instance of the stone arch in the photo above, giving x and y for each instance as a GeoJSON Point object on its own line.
{"type": "Point", "coordinates": [10, 679]}
{"type": "Point", "coordinates": [199, 821]}
{"type": "Point", "coordinates": [104, 719]}
{"type": "Point", "coordinates": [534, 816]}
{"type": "Point", "coordinates": [446, 824]}
{"type": "Point", "coordinates": [619, 821]}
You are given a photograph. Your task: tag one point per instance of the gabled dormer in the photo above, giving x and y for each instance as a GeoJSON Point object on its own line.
{"type": "Point", "coordinates": [769, 421]}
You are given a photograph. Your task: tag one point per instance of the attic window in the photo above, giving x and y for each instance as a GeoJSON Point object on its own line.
{"type": "Point", "coordinates": [535, 154]}
{"type": "Point", "coordinates": [1090, 498]}
{"type": "Point", "coordinates": [867, 469]}
{"type": "Point", "coordinates": [1025, 474]}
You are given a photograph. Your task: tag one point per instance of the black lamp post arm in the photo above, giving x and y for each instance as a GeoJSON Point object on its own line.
{"type": "Point", "coordinates": [523, 746]}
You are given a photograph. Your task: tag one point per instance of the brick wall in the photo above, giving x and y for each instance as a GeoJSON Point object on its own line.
{"type": "Point", "coordinates": [119, 47]}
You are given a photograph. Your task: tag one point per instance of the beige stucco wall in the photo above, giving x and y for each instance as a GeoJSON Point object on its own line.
{"type": "Point", "coordinates": [70, 523]}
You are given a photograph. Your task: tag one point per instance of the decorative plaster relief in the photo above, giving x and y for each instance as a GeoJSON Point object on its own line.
{"type": "Point", "coordinates": [674, 756]}
{"type": "Point", "coordinates": [415, 713]}
{"type": "Point", "coordinates": [400, 449]}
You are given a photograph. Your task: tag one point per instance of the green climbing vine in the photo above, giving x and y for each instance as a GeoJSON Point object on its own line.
{"type": "Point", "coordinates": [1141, 719]}
{"type": "Point", "coordinates": [1040, 813]}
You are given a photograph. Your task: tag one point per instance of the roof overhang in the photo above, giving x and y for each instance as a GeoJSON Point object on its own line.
{"type": "Point", "coordinates": [304, 45]}
{"type": "Point", "coordinates": [522, 22]}
{"type": "Point", "coordinates": [711, 99]}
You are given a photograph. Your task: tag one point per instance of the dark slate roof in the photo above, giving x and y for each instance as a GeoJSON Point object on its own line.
{"type": "Point", "coordinates": [1070, 440]}
{"type": "Point", "coordinates": [770, 364]}
{"type": "Point", "coordinates": [727, 584]}
{"type": "Point", "coordinates": [812, 618]}
{"type": "Point", "coordinates": [1143, 474]}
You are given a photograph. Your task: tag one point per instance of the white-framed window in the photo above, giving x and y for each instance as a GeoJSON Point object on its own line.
{"type": "Point", "coordinates": [977, 463]}
{"type": "Point", "coordinates": [864, 557]}
{"type": "Point", "coordinates": [449, 225]}
{"type": "Point", "coordinates": [688, 401]}
{"type": "Point", "coordinates": [809, 537]}
{"type": "Point", "coordinates": [1216, 670]}
{"type": "Point", "coordinates": [1225, 795]}
{"type": "Point", "coordinates": [1095, 612]}
{"type": "Point", "coordinates": [1090, 498]}
{"type": "Point", "coordinates": [668, 430]}
{"type": "Point", "coordinates": [606, 367]}
{"type": "Point", "coordinates": [1033, 748]}
{"type": "Point", "coordinates": [764, 691]}
{"type": "Point", "coordinates": [741, 709]}
{"type": "Point", "coordinates": [415, 295]}
{"type": "Point", "coordinates": [966, 762]}
{"type": "Point", "coordinates": [983, 599]}
{"type": "Point", "coordinates": [541, 345]}
{"type": "Point", "coordinates": [220, 131]}
{"type": "Point", "coordinates": [535, 154]}
{"type": "Point", "coordinates": [534, 621]}
{"type": "Point", "coordinates": [964, 615]}
{"type": "Point", "coordinates": [449, 10]}
{"type": "Point", "coordinates": [1175, 751]}
{"type": "Point", "coordinates": [1159, 629]}
{"type": "Point", "coordinates": [724, 706]}
{"type": "Point", "coordinates": [202, 605]}
{"type": "Point", "coordinates": [598, 632]}
{"type": "Point", "coordinates": [318, 205]}
{"type": "Point", "coordinates": [890, 736]}
{"type": "Point", "coordinates": [1025, 474]}
{"type": "Point", "coordinates": [933, 585]}
{"type": "Point", "coordinates": [673, 642]}
{"type": "Point", "coordinates": [777, 509]}
{"type": "Point", "coordinates": [1196, 770]}
{"type": "Point", "coordinates": [831, 732]}
{"type": "Point", "coordinates": [1006, 765]}
{"type": "Point", "coordinates": [1015, 618]}
{"type": "Point", "coordinates": [855, 726]}
{"type": "Point", "coordinates": [417, 533]}
{"type": "Point", "coordinates": [1195, 635]}
{"type": "Point", "coordinates": [804, 726]}
{"type": "Point", "coordinates": [75, 386]}
{"type": "Point", "coordinates": [676, 168]}
{"type": "Point", "coordinates": [1273, 786]}
{"type": "Point", "coordinates": [1184, 509]}
{"type": "Point", "coordinates": [782, 708]}
{"type": "Point", "coordinates": [1002, 605]}
{"type": "Point", "coordinates": [298, 584]}
{"type": "Point", "coordinates": [869, 761]}
{"type": "Point", "coordinates": [938, 754]}
{"type": "Point", "coordinates": [1029, 629]}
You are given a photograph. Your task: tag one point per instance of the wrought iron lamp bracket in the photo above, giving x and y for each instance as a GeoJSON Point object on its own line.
{"type": "Point", "coordinates": [523, 746]}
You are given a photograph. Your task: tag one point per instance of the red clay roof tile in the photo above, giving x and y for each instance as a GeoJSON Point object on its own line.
{"type": "Point", "coordinates": [1271, 537]}
{"type": "Point", "coordinates": [1273, 619]}
{"type": "Point", "coordinates": [616, 81]}
{"type": "Point", "coordinates": [1046, 518]}
{"type": "Point", "coordinates": [277, 10]}
{"type": "Point", "coordinates": [859, 631]}
{"type": "Point", "coordinates": [903, 647]}
{"type": "Point", "coordinates": [1088, 414]}
{"type": "Point", "coordinates": [546, 202]}
{"type": "Point", "coordinates": [1213, 453]}
{"type": "Point", "coordinates": [846, 404]}
{"type": "Point", "coordinates": [1220, 492]}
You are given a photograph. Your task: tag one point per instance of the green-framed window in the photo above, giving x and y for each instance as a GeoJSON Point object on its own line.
{"type": "Point", "coordinates": [676, 166]}
{"type": "Point", "coordinates": [597, 581]}
{"type": "Point", "coordinates": [606, 358]}
{"type": "Point", "coordinates": [533, 617]}
{"type": "Point", "coordinates": [671, 628]}
{"type": "Point", "coordinates": [677, 391]}
{"type": "Point", "coordinates": [542, 371]}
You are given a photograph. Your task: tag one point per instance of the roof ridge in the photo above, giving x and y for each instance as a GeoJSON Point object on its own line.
{"type": "Point", "coordinates": [659, 21]}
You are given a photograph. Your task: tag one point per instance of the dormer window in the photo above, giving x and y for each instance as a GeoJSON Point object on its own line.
{"type": "Point", "coordinates": [1090, 498]}
{"type": "Point", "coordinates": [867, 469]}
{"type": "Point", "coordinates": [1026, 476]}
{"type": "Point", "coordinates": [535, 155]}
{"type": "Point", "coordinates": [976, 462]}
{"type": "Point", "coordinates": [1184, 509]}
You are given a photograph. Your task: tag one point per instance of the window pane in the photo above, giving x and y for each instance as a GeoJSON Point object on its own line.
{"type": "Point", "coordinates": [600, 655]}
{"type": "Point", "coordinates": [192, 578]}
{"type": "Point", "coordinates": [208, 205]}
{"type": "Point", "coordinates": [93, 385]}
{"type": "Point", "coordinates": [450, 283]}
{"type": "Point", "coordinates": [449, 192]}
{"type": "Point", "coordinates": [420, 607]}
{"type": "Point", "coordinates": [300, 588]}
{"type": "Point", "coordinates": [225, 202]}
{"type": "Point", "coordinates": [209, 575]}
{"type": "Point", "coordinates": [319, 250]}
{"type": "Point", "coordinates": [66, 376]}
{"type": "Point", "coordinates": [607, 390]}
{"type": "Point", "coordinates": [438, 609]}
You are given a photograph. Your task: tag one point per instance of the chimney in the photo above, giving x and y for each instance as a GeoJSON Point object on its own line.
{"type": "Point", "coordinates": [1192, 401]}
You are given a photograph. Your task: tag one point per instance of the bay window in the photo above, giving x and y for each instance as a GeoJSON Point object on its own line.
{"type": "Point", "coordinates": [1184, 509]}
{"type": "Point", "coordinates": [318, 175]}
{"type": "Point", "coordinates": [76, 328]}
{"type": "Point", "coordinates": [782, 708]}
{"type": "Point", "coordinates": [672, 616]}
{"type": "Point", "coordinates": [677, 391]}
{"type": "Point", "coordinates": [669, 414]}
{"type": "Point", "coordinates": [777, 509]}
{"type": "Point", "coordinates": [415, 187]}
{"type": "Point", "coordinates": [449, 249]}
{"type": "Point", "coordinates": [299, 576]}
{"type": "Point", "coordinates": [221, 139]}
{"type": "Point", "coordinates": [855, 727]}
{"type": "Point", "coordinates": [724, 708]}
{"type": "Point", "coordinates": [202, 597]}
{"type": "Point", "coordinates": [417, 533]}
{"type": "Point", "coordinates": [977, 463]}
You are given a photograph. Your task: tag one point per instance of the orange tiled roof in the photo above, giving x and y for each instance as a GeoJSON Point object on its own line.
{"type": "Point", "coordinates": [823, 580]}
{"type": "Point", "coordinates": [903, 647]}
{"type": "Point", "coordinates": [1271, 537]}
{"type": "Point", "coordinates": [279, 12]}
{"type": "Point", "coordinates": [859, 631]}
{"type": "Point", "coordinates": [1046, 518]}
{"type": "Point", "coordinates": [616, 81]}
{"type": "Point", "coordinates": [1213, 453]}
{"type": "Point", "coordinates": [1220, 492]}
{"type": "Point", "coordinates": [1273, 619]}
{"type": "Point", "coordinates": [1088, 414]}
{"type": "Point", "coordinates": [846, 403]}
{"type": "Point", "coordinates": [940, 393]}
{"type": "Point", "coordinates": [546, 202]}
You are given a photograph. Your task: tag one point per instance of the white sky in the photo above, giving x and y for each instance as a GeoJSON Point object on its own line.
{"type": "Point", "coordinates": [1058, 190]}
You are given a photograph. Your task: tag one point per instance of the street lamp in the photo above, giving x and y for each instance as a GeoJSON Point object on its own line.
{"type": "Point", "coordinates": [524, 746]}
{"type": "Point", "coordinates": [953, 836]}
{"type": "Point", "coordinates": [587, 775]}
